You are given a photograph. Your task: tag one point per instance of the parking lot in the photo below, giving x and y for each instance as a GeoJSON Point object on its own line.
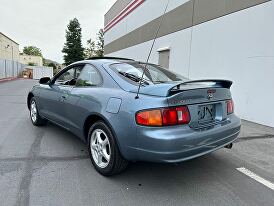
{"type": "Point", "coordinates": [50, 166]}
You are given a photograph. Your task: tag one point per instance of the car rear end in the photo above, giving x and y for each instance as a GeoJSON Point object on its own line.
{"type": "Point", "coordinates": [197, 119]}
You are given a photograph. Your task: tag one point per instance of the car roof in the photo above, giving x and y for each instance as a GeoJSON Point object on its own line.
{"type": "Point", "coordinates": [101, 61]}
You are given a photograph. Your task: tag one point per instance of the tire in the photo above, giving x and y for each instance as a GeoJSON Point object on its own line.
{"type": "Point", "coordinates": [102, 145]}
{"type": "Point", "coordinates": [35, 117]}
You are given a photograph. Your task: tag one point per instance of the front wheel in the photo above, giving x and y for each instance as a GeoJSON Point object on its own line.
{"type": "Point", "coordinates": [104, 152]}
{"type": "Point", "coordinates": [35, 117]}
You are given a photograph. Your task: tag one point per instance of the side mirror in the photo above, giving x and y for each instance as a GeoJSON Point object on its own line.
{"type": "Point", "coordinates": [44, 80]}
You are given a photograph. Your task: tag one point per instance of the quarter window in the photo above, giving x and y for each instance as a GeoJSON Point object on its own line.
{"type": "Point", "coordinates": [88, 77]}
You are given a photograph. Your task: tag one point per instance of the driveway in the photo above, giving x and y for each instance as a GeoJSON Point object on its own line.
{"type": "Point", "coordinates": [50, 166]}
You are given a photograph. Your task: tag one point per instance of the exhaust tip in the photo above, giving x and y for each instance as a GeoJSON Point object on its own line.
{"type": "Point", "coordinates": [229, 146]}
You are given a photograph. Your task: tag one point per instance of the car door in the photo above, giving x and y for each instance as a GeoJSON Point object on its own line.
{"type": "Point", "coordinates": [53, 96]}
{"type": "Point", "coordinates": [85, 89]}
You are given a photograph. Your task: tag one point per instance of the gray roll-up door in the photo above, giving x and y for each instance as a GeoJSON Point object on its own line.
{"type": "Point", "coordinates": [164, 58]}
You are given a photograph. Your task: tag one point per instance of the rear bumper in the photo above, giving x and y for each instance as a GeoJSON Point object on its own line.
{"type": "Point", "coordinates": [176, 144]}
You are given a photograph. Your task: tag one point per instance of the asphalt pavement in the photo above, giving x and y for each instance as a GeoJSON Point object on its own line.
{"type": "Point", "coordinates": [50, 166]}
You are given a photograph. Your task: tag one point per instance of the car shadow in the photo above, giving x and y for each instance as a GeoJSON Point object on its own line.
{"type": "Point", "coordinates": [198, 171]}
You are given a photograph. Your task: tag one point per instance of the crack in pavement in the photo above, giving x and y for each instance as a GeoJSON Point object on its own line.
{"type": "Point", "coordinates": [23, 196]}
{"type": "Point", "coordinates": [45, 158]}
{"type": "Point", "coordinates": [267, 136]}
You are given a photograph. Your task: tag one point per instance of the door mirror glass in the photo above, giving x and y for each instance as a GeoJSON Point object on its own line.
{"type": "Point", "coordinates": [44, 80]}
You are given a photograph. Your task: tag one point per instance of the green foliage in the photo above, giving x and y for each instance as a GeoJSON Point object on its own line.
{"type": "Point", "coordinates": [31, 63]}
{"type": "Point", "coordinates": [95, 48]}
{"type": "Point", "coordinates": [83, 83]}
{"type": "Point", "coordinates": [32, 50]}
{"type": "Point", "coordinates": [52, 65]}
{"type": "Point", "coordinates": [90, 50]}
{"type": "Point", "coordinates": [100, 43]}
{"type": "Point", "coordinates": [73, 49]}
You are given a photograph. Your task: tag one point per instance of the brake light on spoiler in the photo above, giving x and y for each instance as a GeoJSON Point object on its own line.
{"type": "Point", "coordinates": [164, 116]}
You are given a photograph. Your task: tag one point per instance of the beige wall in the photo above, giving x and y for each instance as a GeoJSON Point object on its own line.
{"type": "Point", "coordinates": [9, 49]}
{"type": "Point", "coordinates": [26, 59]}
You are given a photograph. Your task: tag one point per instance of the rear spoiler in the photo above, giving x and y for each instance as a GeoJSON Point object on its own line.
{"type": "Point", "coordinates": [218, 82]}
{"type": "Point", "coordinates": [169, 88]}
{"type": "Point", "coordinates": [213, 82]}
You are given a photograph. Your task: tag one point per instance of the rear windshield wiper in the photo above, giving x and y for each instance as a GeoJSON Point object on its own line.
{"type": "Point", "coordinates": [159, 82]}
{"type": "Point", "coordinates": [133, 77]}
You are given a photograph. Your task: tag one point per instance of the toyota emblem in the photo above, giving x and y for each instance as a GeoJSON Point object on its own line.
{"type": "Point", "coordinates": [209, 95]}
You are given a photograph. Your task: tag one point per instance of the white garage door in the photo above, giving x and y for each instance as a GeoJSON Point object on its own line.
{"type": "Point", "coordinates": [39, 72]}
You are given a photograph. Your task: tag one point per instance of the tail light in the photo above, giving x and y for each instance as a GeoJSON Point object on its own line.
{"type": "Point", "coordinates": [151, 117]}
{"type": "Point", "coordinates": [230, 106]}
{"type": "Point", "coordinates": [163, 117]}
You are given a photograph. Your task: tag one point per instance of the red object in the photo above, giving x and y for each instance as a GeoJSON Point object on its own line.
{"type": "Point", "coordinates": [230, 106]}
{"type": "Point", "coordinates": [170, 116]}
{"type": "Point", "coordinates": [130, 8]}
{"type": "Point", "coordinates": [164, 117]}
{"type": "Point", "coordinates": [8, 79]}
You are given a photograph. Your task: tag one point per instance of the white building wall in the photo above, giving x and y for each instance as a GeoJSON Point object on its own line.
{"type": "Point", "coordinates": [179, 44]}
{"type": "Point", "coordinates": [239, 47]}
{"type": "Point", "coordinates": [145, 13]}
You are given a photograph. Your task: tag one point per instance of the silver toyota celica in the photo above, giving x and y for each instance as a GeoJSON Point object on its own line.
{"type": "Point", "coordinates": [172, 119]}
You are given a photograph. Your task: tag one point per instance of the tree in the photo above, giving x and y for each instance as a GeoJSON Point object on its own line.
{"type": "Point", "coordinates": [32, 50]}
{"type": "Point", "coordinates": [55, 69]}
{"type": "Point", "coordinates": [31, 64]}
{"type": "Point", "coordinates": [100, 43]}
{"type": "Point", "coordinates": [95, 48]}
{"type": "Point", "coordinates": [73, 49]}
{"type": "Point", "coordinates": [90, 51]}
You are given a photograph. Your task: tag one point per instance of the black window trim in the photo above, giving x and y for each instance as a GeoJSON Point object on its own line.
{"type": "Point", "coordinates": [63, 71]}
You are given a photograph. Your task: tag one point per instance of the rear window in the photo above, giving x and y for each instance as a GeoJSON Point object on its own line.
{"type": "Point", "coordinates": [153, 74]}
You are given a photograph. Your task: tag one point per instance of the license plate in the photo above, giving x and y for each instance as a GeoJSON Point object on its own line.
{"type": "Point", "coordinates": [206, 113]}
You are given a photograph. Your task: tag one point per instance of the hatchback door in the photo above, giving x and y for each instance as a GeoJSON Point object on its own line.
{"type": "Point", "coordinates": [206, 102]}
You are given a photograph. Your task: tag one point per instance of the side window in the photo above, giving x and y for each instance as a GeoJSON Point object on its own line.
{"type": "Point", "coordinates": [69, 77]}
{"type": "Point", "coordinates": [78, 71]}
{"type": "Point", "coordinates": [88, 77]}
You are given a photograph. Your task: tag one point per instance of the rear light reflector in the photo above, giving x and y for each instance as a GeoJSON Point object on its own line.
{"type": "Point", "coordinates": [183, 115]}
{"type": "Point", "coordinates": [230, 106]}
{"type": "Point", "coordinates": [163, 117]}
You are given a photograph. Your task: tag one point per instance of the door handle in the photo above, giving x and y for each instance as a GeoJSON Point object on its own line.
{"type": "Point", "coordinates": [64, 97]}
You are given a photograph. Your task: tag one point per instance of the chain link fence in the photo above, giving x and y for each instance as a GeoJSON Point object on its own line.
{"type": "Point", "coordinates": [10, 68]}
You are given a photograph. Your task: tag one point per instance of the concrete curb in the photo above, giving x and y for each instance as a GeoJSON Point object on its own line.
{"type": "Point", "coordinates": [8, 79]}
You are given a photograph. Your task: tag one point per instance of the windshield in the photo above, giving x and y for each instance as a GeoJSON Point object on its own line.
{"type": "Point", "coordinates": [153, 74]}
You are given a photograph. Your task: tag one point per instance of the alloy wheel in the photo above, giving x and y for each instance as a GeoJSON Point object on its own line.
{"type": "Point", "coordinates": [33, 111]}
{"type": "Point", "coordinates": [100, 148]}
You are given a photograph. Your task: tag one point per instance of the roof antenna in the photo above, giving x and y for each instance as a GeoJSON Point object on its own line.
{"type": "Point", "coordinates": [156, 35]}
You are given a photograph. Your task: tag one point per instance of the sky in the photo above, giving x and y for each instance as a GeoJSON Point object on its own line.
{"type": "Point", "coordinates": [43, 23]}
